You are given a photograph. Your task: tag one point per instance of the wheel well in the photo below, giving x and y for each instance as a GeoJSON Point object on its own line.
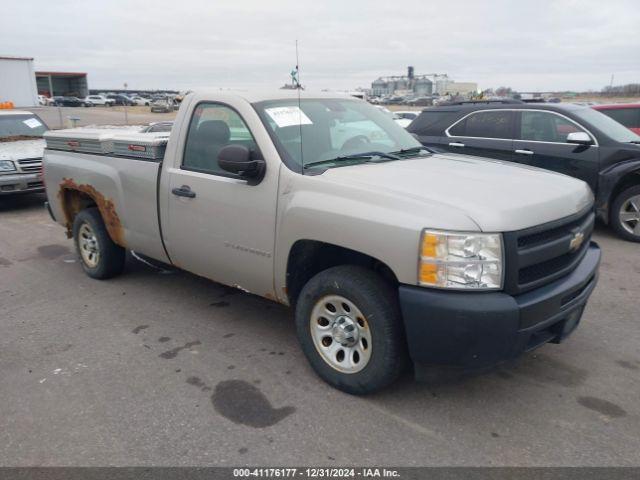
{"type": "Point", "coordinates": [74, 201]}
{"type": "Point", "coordinates": [76, 197]}
{"type": "Point", "coordinates": [309, 257]}
{"type": "Point", "coordinates": [629, 180]}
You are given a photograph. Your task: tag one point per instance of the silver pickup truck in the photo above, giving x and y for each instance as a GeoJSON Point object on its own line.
{"type": "Point", "coordinates": [388, 253]}
{"type": "Point", "coordinates": [21, 149]}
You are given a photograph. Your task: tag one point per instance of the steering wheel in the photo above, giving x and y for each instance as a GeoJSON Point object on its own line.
{"type": "Point", "coordinates": [356, 142]}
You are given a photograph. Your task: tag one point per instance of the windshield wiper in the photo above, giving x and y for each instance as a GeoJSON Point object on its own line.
{"type": "Point", "coordinates": [636, 142]}
{"type": "Point", "coordinates": [367, 156]}
{"type": "Point", "coordinates": [411, 151]}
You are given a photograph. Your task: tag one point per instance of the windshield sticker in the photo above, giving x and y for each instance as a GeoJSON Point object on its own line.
{"type": "Point", "coordinates": [288, 116]}
{"type": "Point", "coordinates": [32, 123]}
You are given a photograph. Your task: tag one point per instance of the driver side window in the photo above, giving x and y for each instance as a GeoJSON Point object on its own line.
{"type": "Point", "coordinates": [212, 127]}
{"type": "Point", "coordinates": [546, 127]}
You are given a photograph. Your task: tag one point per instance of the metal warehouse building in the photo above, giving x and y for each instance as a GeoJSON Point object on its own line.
{"type": "Point", "coordinates": [73, 84]}
{"type": "Point", "coordinates": [18, 81]}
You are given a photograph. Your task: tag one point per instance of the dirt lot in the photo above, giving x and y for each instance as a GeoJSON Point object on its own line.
{"type": "Point", "coordinates": [165, 368]}
{"type": "Point", "coordinates": [61, 117]}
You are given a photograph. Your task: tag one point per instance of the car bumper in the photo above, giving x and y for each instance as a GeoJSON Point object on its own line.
{"type": "Point", "coordinates": [21, 183]}
{"type": "Point", "coordinates": [482, 329]}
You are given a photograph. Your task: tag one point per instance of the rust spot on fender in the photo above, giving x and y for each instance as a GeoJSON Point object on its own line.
{"type": "Point", "coordinates": [72, 202]}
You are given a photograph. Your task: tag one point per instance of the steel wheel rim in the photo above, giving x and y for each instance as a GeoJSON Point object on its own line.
{"type": "Point", "coordinates": [630, 215]}
{"type": "Point", "coordinates": [345, 349]}
{"type": "Point", "coordinates": [88, 246]}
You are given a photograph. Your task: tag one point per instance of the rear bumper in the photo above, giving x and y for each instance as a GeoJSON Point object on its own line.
{"type": "Point", "coordinates": [479, 330]}
{"type": "Point", "coordinates": [21, 183]}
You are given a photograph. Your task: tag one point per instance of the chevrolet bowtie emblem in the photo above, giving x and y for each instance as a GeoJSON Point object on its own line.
{"type": "Point", "coordinates": [576, 241]}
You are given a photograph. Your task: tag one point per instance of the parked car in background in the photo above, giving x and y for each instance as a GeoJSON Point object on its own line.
{"type": "Point", "coordinates": [571, 139]}
{"type": "Point", "coordinates": [141, 101]}
{"type": "Point", "coordinates": [405, 117]}
{"type": "Point", "coordinates": [21, 150]}
{"type": "Point", "coordinates": [162, 105]}
{"type": "Point", "coordinates": [68, 102]}
{"type": "Point", "coordinates": [408, 114]}
{"type": "Point", "coordinates": [42, 100]}
{"type": "Point", "coordinates": [94, 100]}
{"type": "Point", "coordinates": [156, 127]}
{"type": "Point", "coordinates": [120, 99]}
{"type": "Point", "coordinates": [385, 251]}
{"type": "Point", "coordinates": [628, 114]}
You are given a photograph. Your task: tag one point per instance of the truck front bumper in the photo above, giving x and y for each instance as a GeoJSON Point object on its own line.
{"type": "Point", "coordinates": [20, 183]}
{"type": "Point", "coordinates": [476, 330]}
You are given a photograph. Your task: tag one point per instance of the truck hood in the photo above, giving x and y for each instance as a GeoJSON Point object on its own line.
{"type": "Point", "coordinates": [498, 196]}
{"type": "Point", "coordinates": [19, 149]}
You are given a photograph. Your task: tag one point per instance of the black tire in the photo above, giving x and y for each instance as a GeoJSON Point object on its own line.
{"type": "Point", "coordinates": [614, 219]}
{"type": "Point", "coordinates": [378, 303]}
{"type": "Point", "coordinates": [111, 257]}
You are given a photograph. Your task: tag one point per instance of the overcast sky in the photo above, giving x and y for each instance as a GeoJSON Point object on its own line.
{"type": "Point", "coordinates": [180, 44]}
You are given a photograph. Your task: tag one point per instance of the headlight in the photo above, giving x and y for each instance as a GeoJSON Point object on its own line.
{"type": "Point", "coordinates": [7, 166]}
{"type": "Point", "coordinates": [460, 260]}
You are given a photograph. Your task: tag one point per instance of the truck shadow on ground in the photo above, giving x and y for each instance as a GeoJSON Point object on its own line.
{"type": "Point", "coordinates": [26, 201]}
{"type": "Point", "coordinates": [538, 369]}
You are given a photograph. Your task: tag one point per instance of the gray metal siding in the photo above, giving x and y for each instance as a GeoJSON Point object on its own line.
{"type": "Point", "coordinates": [18, 82]}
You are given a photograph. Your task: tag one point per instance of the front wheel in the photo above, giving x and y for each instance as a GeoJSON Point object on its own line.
{"type": "Point", "coordinates": [100, 257]}
{"type": "Point", "coordinates": [625, 214]}
{"type": "Point", "coordinates": [349, 326]}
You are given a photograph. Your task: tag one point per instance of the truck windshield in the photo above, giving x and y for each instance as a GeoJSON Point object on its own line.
{"type": "Point", "coordinates": [324, 133]}
{"type": "Point", "coordinates": [607, 125]}
{"type": "Point", "coordinates": [16, 126]}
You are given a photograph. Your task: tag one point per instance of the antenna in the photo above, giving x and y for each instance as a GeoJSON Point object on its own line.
{"type": "Point", "coordinates": [298, 87]}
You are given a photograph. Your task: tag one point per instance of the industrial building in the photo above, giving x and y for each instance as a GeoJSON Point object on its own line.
{"type": "Point", "coordinates": [402, 85]}
{"type": "Point", "coordinates": [18, 81]}
{"type": "Point", "coordinates": [420, 85]}
{"type": "Point", "coordinates": [72, 84]}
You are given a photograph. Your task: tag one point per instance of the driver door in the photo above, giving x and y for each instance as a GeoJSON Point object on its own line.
{"type": "Point", "coordinates": [220, 226]}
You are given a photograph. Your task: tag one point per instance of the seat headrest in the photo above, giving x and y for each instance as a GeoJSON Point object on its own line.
{"type": "Point", "coordinates": [214, 131]}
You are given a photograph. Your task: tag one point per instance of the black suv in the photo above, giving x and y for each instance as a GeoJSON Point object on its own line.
{"type": "Point", "coordinates": [570, 139]}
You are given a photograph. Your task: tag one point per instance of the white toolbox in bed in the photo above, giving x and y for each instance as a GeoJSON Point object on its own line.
{"type": "Point", "coordinates": [150, 146]}
{"type": "Point", "coordinates": [84, 140]}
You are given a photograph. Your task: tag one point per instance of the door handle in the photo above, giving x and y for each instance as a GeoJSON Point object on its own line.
{"type": "Point", "coordinates": [184, 191]}
{"type": "Point", "coordinates": [525, 152]}
{"type": "Point", "coordinates": [456, 144]}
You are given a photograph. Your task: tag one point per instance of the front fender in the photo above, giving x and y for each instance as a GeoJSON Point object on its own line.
{"type": "Point", "coordinates": [608, 180]}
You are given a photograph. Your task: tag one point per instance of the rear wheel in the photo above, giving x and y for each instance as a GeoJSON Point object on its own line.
{"type": "Point", "coordinates": [625, 214]}
{"type": "Point", "coordinates": [99, 256]}
{"type": "Point", "coordinates": [350, 329]}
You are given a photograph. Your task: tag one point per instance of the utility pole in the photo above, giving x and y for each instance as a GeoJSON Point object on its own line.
{"type": "Point", "coordinates": [51, 96]}
{"type": "Point", "coordinates": [126, 116]}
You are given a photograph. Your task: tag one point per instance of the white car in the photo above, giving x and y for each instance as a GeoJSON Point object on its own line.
{"type": "Point", "coordinates": [405, 117]}
{"type": "Point", "coordinates": [93, 100]}
{"type": "Point", "coordinates": [141, 101]}
{"type": "Point", "coordinates": [403, 122]}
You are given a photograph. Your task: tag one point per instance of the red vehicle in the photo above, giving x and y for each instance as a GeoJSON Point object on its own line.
{"type": "Point", "coordinates": [628, 114]}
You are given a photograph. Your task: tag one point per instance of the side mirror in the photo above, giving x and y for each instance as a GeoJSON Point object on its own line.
{"type": "Point", "coordinates": [579, 138]}
{"type": "Point", "coordinates": [236, 159]}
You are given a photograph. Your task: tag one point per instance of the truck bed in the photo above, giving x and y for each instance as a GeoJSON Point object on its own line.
{"type": "Point", "coordinates": [125, 189]}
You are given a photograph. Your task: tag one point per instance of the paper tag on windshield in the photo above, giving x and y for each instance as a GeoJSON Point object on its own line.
{"type": "Point", "coordinates": [288, 116]}
{"type": "Point", "coordinates": [32, 123]}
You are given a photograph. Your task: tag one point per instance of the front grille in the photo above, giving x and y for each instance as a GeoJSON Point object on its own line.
{"type": "Point", "coordinates": [30, 165]}
{"type": "Point", "coordinates": [539, 255]}
{"type": "Point", "coordinates": [541, 270]}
